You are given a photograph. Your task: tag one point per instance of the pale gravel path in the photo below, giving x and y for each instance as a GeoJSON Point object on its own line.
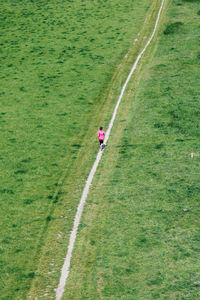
{"type": "Point", "coordinates": [66, 266]}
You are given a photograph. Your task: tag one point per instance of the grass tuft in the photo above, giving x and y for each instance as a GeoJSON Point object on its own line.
{"type": "Point", "coordinates": [48, 218]}
{"type": "Point", "coordinates": [28, 201]}
{"type": "Point", "coordinates": [192, 1]}
{"type": "Point", "coordinates": [173, 28]}
{"type": "Point", "coordinates": [7, 191]}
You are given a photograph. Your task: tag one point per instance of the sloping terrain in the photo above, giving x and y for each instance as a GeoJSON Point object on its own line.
{"type": "Point", "coordinates": [59, 78]}
{"type": "Point", "coordinates": [64, 64]}
{"type": "Point", "coordinates": [139, 236]}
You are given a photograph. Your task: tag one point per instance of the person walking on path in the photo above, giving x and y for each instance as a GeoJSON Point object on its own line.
{"type": "Point", "coordinates": [101, 135]}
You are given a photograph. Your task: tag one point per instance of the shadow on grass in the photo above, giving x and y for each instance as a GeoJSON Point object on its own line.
{"type": "Point", "coordinates": [173, 28]}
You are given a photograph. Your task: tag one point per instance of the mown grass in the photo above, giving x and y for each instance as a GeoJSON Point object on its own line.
{"type": "Point", "coordinates": [57, 61]}
{"type": "Point", "coordinates": [137, 241]}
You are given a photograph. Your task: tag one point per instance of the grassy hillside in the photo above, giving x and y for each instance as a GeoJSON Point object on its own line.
{"type": "Point", "coordinates": [58, 59]}
{"type": "Point", "coordinates": [135, 239]}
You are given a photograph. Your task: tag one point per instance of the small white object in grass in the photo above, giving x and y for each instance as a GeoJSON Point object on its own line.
{"type": "Point", "coordinates": [59, 235]}
{"type": "Point", "coordinates": [192, 154]}
{"type": "Point", "coordinates": [185, 210]}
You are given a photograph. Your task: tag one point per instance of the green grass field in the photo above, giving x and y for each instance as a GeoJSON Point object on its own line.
{"type": "Point", "coordinates": [135, 240]}
{"type": "Point", "coordinates": [62, 67]}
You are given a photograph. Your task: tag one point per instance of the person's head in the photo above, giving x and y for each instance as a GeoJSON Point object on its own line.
{"type": "Point", "coordinates": [101, 128]}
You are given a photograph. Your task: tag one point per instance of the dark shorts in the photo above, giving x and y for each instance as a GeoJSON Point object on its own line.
{"type": "Point", "coordinates": [101, 142]}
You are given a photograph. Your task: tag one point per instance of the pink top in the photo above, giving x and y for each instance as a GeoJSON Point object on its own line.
{"type": "Point", "coordinates": [101, 134]}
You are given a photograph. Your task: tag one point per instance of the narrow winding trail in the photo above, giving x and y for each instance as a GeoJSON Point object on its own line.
{"type": "Point", "coordinates": [66, 265]}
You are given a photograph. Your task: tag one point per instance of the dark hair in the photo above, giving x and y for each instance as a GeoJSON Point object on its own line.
{"type": "Point", "coordinates": [101, 128]}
